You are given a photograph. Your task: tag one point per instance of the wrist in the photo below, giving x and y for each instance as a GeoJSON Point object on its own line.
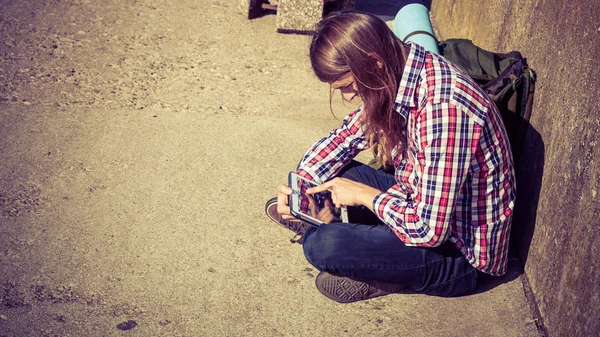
{"type": "Point", "coordinates": [368, 196]}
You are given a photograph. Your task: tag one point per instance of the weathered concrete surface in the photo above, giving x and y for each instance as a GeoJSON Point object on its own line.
{"type": "Point", "coordinates": [557, 223]}
{"type": "Point", "coordinates": [299, 15]}
{"type": "Point", "coordinates": [139, 142]}
{"type": "Point", "coordinates": [295, 16]}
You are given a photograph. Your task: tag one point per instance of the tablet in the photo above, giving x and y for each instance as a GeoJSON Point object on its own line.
{"type": "Point", "coordinates": [315, 209]}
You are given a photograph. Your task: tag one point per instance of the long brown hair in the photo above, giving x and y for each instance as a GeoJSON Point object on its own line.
{"type": "Point", "coordinates": [362, 45]}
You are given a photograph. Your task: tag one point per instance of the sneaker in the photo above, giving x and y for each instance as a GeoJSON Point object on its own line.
{"type": "Point", "coordinates": [346, 290]}
{"type": "Point", "coordinates": [296, 226]}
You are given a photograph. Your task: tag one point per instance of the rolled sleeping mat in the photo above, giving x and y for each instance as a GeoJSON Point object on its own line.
{"type": "Point", "coordinates": [412, 24]}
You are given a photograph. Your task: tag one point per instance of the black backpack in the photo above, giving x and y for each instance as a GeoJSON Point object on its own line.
{"type": "Point", "coordinates": [506, 78]}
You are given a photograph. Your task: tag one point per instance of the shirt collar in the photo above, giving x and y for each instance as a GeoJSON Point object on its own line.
{"type": "Point", "coordinates": [409, 79]}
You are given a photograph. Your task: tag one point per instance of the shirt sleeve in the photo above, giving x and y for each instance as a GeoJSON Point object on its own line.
{"type": "Point", "coordinates": [444, 140]}
{"type": "Point", "coordinates": [331, 153]}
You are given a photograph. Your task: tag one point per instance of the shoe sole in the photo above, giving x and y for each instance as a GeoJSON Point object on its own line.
{"type": "Point", "coordinates": [270, 202]}
{"type": "Point", "coordinates": [296, 226]}
{"type": "Point", "coordinates": [341, 289]}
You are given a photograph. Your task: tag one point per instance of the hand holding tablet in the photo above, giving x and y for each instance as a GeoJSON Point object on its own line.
{"type": "Point", "coordinates": [317, 208]}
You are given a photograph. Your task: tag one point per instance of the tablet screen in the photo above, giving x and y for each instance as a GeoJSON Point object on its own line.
{"type": "Point", "coordinates": [316, 208]}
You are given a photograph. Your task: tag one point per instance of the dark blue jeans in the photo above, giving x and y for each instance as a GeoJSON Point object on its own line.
{"type": "Point", "coordinates": [368, 249]}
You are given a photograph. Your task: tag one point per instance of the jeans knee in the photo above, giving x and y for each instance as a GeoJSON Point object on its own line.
{"type": "Point", "coordinates": [310, 253]}
{"type": "Point", "coordinates": [320, 246]}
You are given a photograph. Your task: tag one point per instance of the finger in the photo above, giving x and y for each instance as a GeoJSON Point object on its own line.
{"type": "Point", "coordinates": [328, 204]}
{"type": "Point", "coordinates": [326, 216]}
{"type": "Point", "coordinates": [282, 207]}
{"type": "Point", "coordinates": [320, 188]}
{"type": "Point", "coordinates": [285, 189]}
{"type": "Point", "coordinates": [283, 200]}
{"type": "Point", "coordinates": [335, 200]}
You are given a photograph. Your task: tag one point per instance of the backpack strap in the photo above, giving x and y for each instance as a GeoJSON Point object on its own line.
{"type": "Point", "coordinates": [416, 32]}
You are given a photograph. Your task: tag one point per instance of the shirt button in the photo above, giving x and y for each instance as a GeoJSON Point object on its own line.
{"type": "Point", "coordinates": [403, 162]}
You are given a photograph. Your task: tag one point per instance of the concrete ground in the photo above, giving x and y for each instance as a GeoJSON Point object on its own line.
{"type": "Point", "coordinates": [140, 141]}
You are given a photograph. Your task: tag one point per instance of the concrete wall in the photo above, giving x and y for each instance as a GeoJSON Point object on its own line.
{"type": "Point", "coordinates": [556, 225]}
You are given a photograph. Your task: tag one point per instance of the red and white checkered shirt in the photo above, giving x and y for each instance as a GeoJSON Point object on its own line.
{"type": "Point", "coordinates": [454, 181]}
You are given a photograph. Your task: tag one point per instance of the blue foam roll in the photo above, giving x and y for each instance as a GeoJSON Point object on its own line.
{"type": "Point", "coordinates": [415, 17]}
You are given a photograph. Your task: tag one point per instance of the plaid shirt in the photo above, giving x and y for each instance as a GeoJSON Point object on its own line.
{"type": "Point", "coordinates": [455, 179]}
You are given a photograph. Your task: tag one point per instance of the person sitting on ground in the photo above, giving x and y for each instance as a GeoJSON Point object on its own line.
{"type": "Point", "coordinates": [439, 217]}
